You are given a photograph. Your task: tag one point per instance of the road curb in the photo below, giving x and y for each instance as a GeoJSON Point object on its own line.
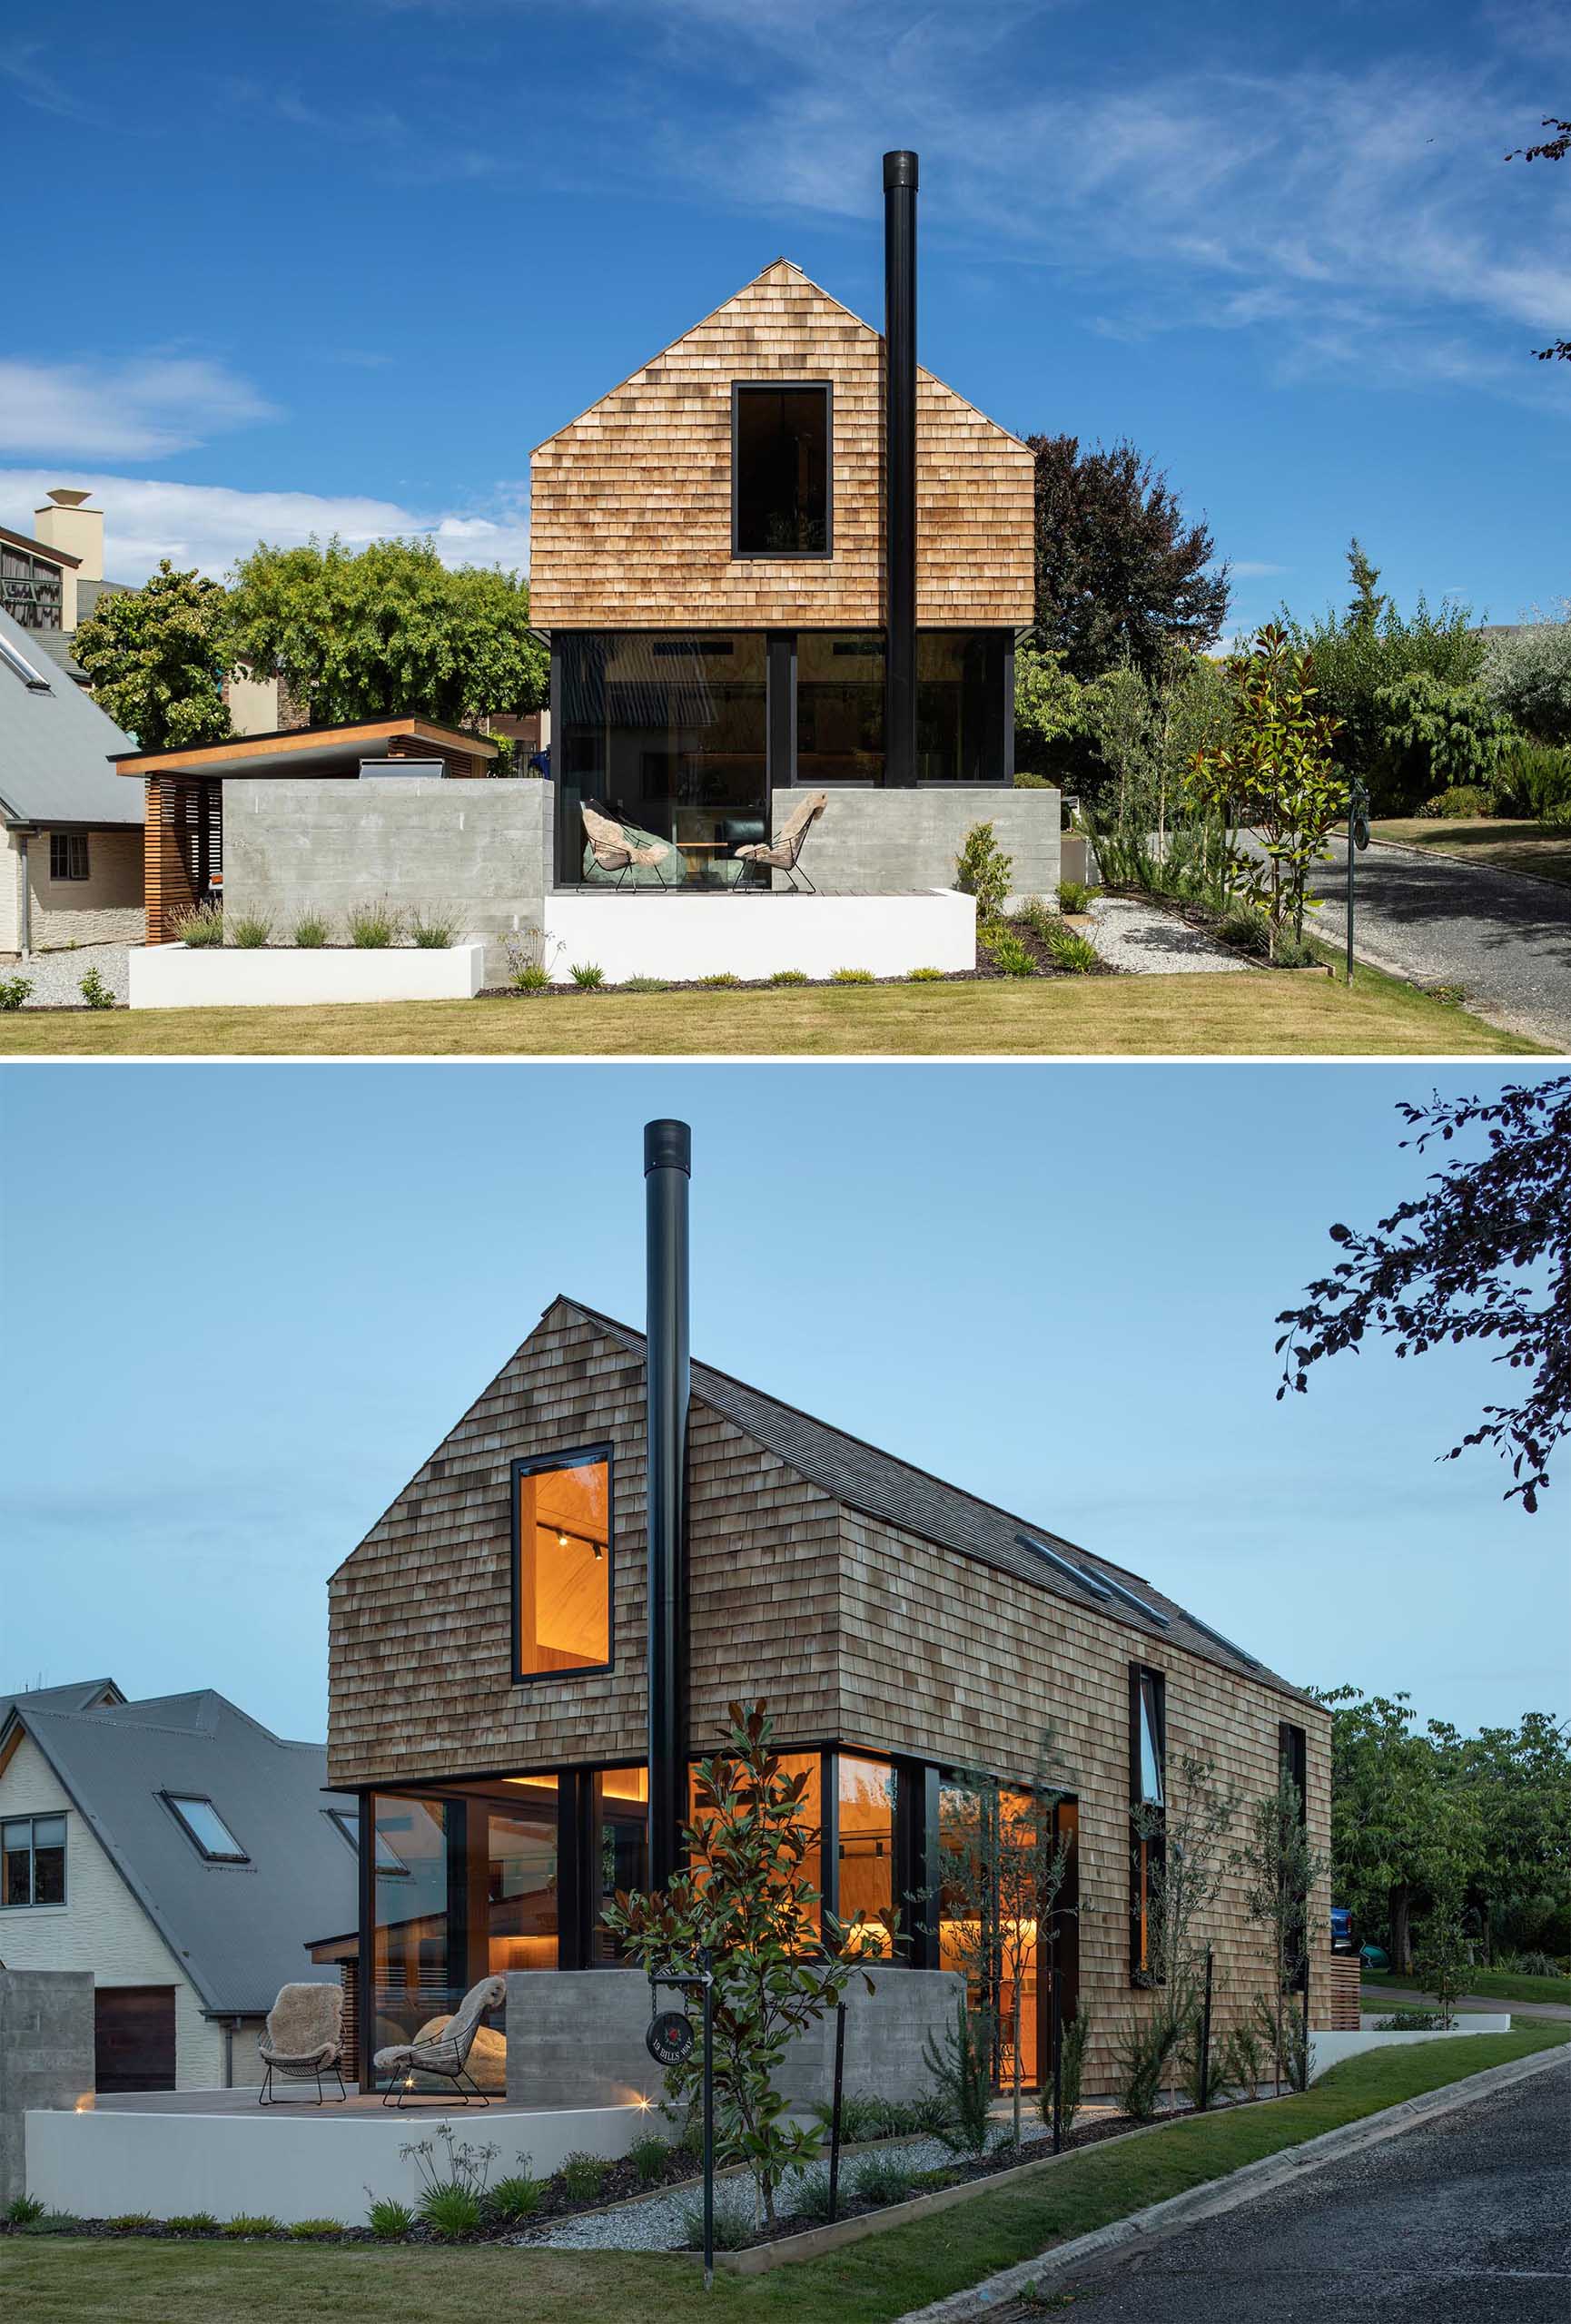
{"type": "Point", "coordinates": [1245, 2185]}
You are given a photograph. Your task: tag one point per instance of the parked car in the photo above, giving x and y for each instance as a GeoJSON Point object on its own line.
{"type": "Point", "coordinates": [1342, 1929]}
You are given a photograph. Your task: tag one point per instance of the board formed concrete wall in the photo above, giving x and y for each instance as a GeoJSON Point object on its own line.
{"type": "Point", "coordinates": [47, 2057]}
{"type": "Point", "coordinates": [868, 841]}
{"type": "Point", "coordinates": [477, 851]}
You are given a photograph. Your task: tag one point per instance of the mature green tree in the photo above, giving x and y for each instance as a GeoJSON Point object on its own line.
{"type": "Point", "coordinates": [1122, 575]}
{"type": "Point", "coordinates": [1366, 603]}
{"type": "Point", "coordinates": [387, 629]}
{"type": "Point", "coordinates": [1518, 1780]}
{"type": "Point", "coordinates": [1437, 737]}
{"type": "Point", "coordinates": [1484, 1255]}
{"type": "Point", "coordinates": [1385, 1793]}
{"type": "Point", "coordinates": [156, 658]}
{"type": "Point", "coordinates": [1552, 149]}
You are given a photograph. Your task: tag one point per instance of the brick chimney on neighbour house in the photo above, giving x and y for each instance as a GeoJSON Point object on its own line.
{"type": "Point", "coordinates": [65, 522]}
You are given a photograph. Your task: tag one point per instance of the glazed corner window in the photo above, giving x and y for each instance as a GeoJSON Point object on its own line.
{"type": "Point", "coordinates": [1148, 1807]}
{"type": "Point", "coordinates": [33, 1860]}
{"type": "Point", "coordinates": [68, 855]}
{"type": "Point", "coordinates": [780, 468]}
{"type": "Point", "coordinates": [562, 1564]}
{"type": "Point", "coordinates": [202, 1825]}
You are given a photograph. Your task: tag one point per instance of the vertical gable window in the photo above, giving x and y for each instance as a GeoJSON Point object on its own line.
{"type": "Point", "coordinates": [780, 469]}
{"type": "Point", "coordinates": [33, 1860]}
{"type": "Point", "coordinates": [562, 1564]}
{"type": "Point", "coordinates": [1148, 1808]}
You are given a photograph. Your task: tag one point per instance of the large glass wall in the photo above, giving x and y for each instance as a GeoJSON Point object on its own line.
{"type": "Point", "coordinates": [620, 1846]}
{"type": "Point", "coordinates": [989, 1838]}
{"type": "Point", "coordinates": [959, 705]}
{"type": "Point", "coordinates": [521, 1844]}
{"type": "Point", "coordinates": [839, 707]}
{"type": "Point", "coordinates": [864, 1834]}
{"type": "Point", "coordinates": [412, 1979]}
{"type": "Point", "coordinates": [666, 735]}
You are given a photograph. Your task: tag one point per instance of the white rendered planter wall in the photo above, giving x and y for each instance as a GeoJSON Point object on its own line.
{"type": "Point", "coordinates": [1327, 2050]}
{"type": "Point", "coordinates": [98, 2165]}
{"type": "Point", "coordinates": [681, 938]}
{"type": "Point", "coordinates": [173, 976]}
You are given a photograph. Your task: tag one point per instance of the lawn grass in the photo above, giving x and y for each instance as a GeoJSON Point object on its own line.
{"type": "Point", "coordinates": [1226, 1015]}
{"type": "Point", "coordinates": [1542, 849]}
{"type": "Point", "coordinates": [1488, 1984]}
{"type": "Point", "coordinates": [136, 2282]}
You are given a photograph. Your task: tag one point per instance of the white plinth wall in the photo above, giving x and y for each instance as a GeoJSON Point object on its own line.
{"type": "Point", "coordinates": [99, 2165]}
{"type": "Point", "coordinates": [1328, 2050]}
{"type": "Point", "coordinates": [173, 976]}
{"type": "Point", "coordinates": [642, 932]}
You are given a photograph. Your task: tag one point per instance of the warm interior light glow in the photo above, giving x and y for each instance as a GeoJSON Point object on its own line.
{"type": "Point", "coordinates": [564, 1601]}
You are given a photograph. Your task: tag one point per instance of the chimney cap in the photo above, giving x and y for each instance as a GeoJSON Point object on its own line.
{"type": "Point", "coordinates": [667, 1146]}
{"type": "Point", "coordinates": [899, 170]}
{"type": "Point", "coordinates": [64, 498]}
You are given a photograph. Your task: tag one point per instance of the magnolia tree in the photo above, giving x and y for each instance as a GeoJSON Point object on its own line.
{"type": "Point", "coordinates": [745, 1898]}
{"type": "Point", "coordinates": [1274, 775]}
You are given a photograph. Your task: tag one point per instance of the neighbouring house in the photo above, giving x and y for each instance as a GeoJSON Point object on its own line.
{"type": "Point", "coordinates": [532, 1644]}
{"type": "Point", "coordinates": [782, 555]}
{"type": "Point", "coordinates": [51, 580]}
{"type": "Point", "coordinates": [181, 1852]}
{"type": "Point", "coordinates": [72, 867]}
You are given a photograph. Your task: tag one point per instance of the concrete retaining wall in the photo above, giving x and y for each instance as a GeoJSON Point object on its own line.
{"type": "Point", "coordinates": [870, 840]}
{"type": "Point", "coordinates": [685, 936]}
{"type": "Point", "coordinates": [47, 2057]}
{"type": "Point", "coordinates": [1328, 2049]}
{"type": "Point", "coordinates": [577, 2037]}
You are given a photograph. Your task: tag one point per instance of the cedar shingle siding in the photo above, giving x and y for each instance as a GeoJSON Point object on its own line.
{"type": "Point", "coordinates": [631, 508]}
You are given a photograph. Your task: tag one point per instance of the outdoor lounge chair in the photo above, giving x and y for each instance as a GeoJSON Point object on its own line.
{"type": "Point", "coordinates": [785, 853]}
{"type": "Point", "coordinates": [448, 2056]}
{"type": "Point", "coordinates": [304, 2039]}
{"type": "Point", "coordinates": [616, 849]}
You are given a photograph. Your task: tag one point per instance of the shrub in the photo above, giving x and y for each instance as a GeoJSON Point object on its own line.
{"type": "Point", "coordinates": [95, 991]}
{"type": "Point", "coordinates": [852, 976]}
{"type": "Point", "coordinates": [13, 992]}
{"type": "Point", "coordinates": [23, 2210]}
{"type": "Point", "coordinates": [924, 976]}
{"type": "Point", "coordinates": [1025, 781]}
{"type": "Point", "coordinates": [245, 2224]}
{"type": "Point", "coordinates": [1074, 895]}
{"type": "Point", "coordinates": [810, 2199]}
{"type": "Point", "coordinates": [249, 931]}
{"type": "Point", "coordinates": [1071, 2069]}
{"type": "Point", "coordinates": [1436, 736]}
{"type": "Point", "coordinates": [1470, 798]}
{"type": "Point", "coordinates": [1008, 954]}
{"type": "Point", "coordinates": [312, 931]}
{"type": "Point", "coordinates": [644, 984]}
{"type": "Point", "coordinates": [1246, 927]}
{"type": "Point", "coordinates": [129, 2222]}
{"type": "Point", "coordinates": [962, 2074]}
{"type": "Point", "coordinates": [389, 2219]}
{"type": "Point", "coordinates": [450, 2211]}
{"type": "Point", "coordinates": [1071, 951]}
{"type": "Point", "coordinates": [316, 2230]}
{"type": "Point", "coordinates": [191, 2223]}
{"type": "Point", "coordinates": [1528, 675]}
{"type": "Point", "coordinates": [789, 976]}
{"type": "Point", "coordinates": [374, 927]}
{"type": "Point", "coordinates": [1144, 2053]}
{"type": "Point", "coordinates": [587, 975]}
{"type": "Point", "coordinates": [1535, 778]}
{"type": "Point", "coordinates": [1243, 2062]}
{"type": "Point", "coordinates": [648, 2156]}
{"type": "Point", "coordinates": [53, 2223]}
{"type": "Point", "coordinates": [200, 928]}
{"type": "Point", "coordinates": [1409, 2020]}
{"type": "Point", "coordinates": [517, 2196]}
{"type": "Point", "coordinates": [733, 2223]}
{"type": "Point", "coordinates": [1296, 953]}
{"type": "Point", "coordinates": [584, 2177]}
{"type": "Point", "coordinates": [531, 976]}
{"type": "Point", "coordinates": [721, 979]}
{"type": "Point", "coordinates": [1535, 1964]}
{"type": "Point", "coordinates": [881, 2179]}
{"type": "Point", "coordinates": [982, 870]}
{"type": "Point", "coordinates": [433, 932]}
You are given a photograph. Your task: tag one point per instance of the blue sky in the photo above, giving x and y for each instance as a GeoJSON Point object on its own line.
{"type": "Point", "coordinates": [348, 268]}
{"type": "Point", "coordinates": [245, 1303]}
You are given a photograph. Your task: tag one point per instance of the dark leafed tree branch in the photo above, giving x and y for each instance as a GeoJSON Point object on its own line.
{"type": "Point", "coordinates": [1484, 1255]}
{"type": "Point", "coordinates": [1552, 149]}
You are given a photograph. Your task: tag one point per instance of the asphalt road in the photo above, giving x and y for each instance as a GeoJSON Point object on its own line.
{"type": "Point", "coordinates": [1505, 939]}
{"type": "Point", "coordinates": [1466, 2221]}
{"type": "Point", "coordinates": [1379, 1997]}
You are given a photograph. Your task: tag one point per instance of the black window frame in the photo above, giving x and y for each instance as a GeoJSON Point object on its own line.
{"type": "Point", "coordinates": [33, 1903]}
{"type": "Point", "coordinates": [346, 1822]}
{"type": "Point", "coordinates": [175, 1800]}
{"type": "Point", "coordinates": [1140, 1675]}
{"type": "Point", "coordinates": [577, 1457]}
{"type": "Point", "coordinates": [739, 387]}
{"type": "Point", "coordinates": [63, 850]}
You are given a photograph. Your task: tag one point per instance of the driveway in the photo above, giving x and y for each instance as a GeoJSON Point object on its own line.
{"type": "Point", "coordinates": [1464, 2221]}
{"type": "Point", "coordinates": [1389, 1997]}
{"type": "Point", "coordinates": [1504, 939]}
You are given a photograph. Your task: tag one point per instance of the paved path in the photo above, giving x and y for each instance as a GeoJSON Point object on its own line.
{"type": "Point", "coordinates": [1389, 1997]}
{"type": "Point", "coordinates": [1504, 939]}
{"type": "Point", "coordinates": [1464, 2221]}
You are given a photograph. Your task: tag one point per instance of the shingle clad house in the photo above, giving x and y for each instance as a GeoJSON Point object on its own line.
{"type": "Point", "coordinates": [490, 1693]}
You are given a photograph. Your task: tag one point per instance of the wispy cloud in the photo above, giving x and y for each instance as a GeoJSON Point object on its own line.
{"type": "Point", "coordinates": [36, 86]}
{"type": "Point", "coordinates": [209, 525]}
{"type": "Point", "coordinates": [137, 410]}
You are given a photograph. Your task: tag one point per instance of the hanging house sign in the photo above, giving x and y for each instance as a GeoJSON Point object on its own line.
{"type": "Point", "coordinates": [670, 2039]}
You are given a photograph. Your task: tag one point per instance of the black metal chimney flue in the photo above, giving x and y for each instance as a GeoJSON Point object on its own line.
{"type": "Point", "coordinates": [667, 1169]}
{"type": "Point", "coordinates": [900, 468]}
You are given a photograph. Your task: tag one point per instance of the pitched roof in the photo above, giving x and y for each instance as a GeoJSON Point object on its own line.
{"type": "Point", "coordinates": [55, 744]}
{"type": "Point", "coordinates": [80, 1694]}
{"type": "Point", "coordinates": [240, 1931]}
{"type": "Point", "coordinates": [882, 1485]}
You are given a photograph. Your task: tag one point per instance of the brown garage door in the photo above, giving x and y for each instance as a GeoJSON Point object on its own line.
{"type": "Point", "coordinates": [133, 2045]}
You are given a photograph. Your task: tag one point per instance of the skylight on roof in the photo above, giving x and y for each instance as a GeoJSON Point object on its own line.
{"type": "Point", "coordinates": [16, 662]}
{"type": "Point", "coordinates": [1151, 1613]}
{"type": "Point", "coordinates": [1092, 1582]}
{"type": "Point", "coordinates": [1195, 1623]}
{"type": "Point", "coordinates": [205, 1828]}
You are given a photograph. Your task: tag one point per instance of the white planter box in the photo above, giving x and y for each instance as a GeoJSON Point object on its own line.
{"type": "Point", "coordinates": [172, 975]}
{"type": "Point", "coordinates": [1328, 2049]}
{"type": "Point", "coordinates": [646, 932]}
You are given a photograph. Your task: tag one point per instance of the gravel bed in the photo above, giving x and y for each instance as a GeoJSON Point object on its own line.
{"type": "Point", "coordinates": [56, 977]}
{"type": "Point", "coordinates": [1131, 933]}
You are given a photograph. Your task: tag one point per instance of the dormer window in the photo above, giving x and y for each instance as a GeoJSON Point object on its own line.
{"type": "Point", "coordinates": [205, 1828]}
{"type": "Point", "coordinates": [780, 467]}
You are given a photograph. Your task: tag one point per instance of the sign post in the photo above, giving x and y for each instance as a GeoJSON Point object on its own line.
{"type": "Point", "coordinates": [669, 2041]}
{"type": "Point", "coordinates": [1357, 838]}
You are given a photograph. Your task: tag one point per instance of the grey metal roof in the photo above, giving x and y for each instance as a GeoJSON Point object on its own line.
{"type": "Point", "coordinates": [58, 646]}
{"type": "Point", "coordinates": [81, 1694]}
{"type": "Point", "coordinates": [240, 1931]}
{"type": "Point", "coordinates": [55, 746]}
{"type": "Point", "coordinates": [883, 1486]}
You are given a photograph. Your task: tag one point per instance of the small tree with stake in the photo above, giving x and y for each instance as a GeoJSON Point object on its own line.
{"type": "Point", "coordinates": [745, 1897]}
{"type": "Point", "coordinates": [1282, 1869]}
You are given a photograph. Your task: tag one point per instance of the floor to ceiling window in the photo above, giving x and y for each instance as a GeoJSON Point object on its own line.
{"type": "Point", "coordinates": [839, 706]}
{"type": "Point", "coordinates": [865, 1815]}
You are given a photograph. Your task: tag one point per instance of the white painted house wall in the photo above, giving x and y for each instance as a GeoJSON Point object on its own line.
{"type": "Point", "coordinates": [100, 1925]}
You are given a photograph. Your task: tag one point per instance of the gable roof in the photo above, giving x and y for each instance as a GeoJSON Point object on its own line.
{"type": "Point", "coordinates": [240, 1931]}
{"type": "Point", "coordinates": [882, 1485]}
{"type": "Point", "coordinates": [79, 1694]}
{"type": "Point", "coordinates": [55, 744]}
